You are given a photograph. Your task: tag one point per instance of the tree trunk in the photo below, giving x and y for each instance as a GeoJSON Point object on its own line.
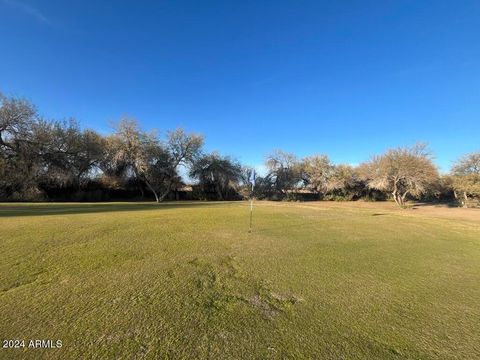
{"type": "Point", "coordinates": [164, 194]}
{"type": "Point", "coordinates": [219, 192]}
{"type": "Point", "coordinates": [396, 197]}
{"type": "Point", "coordinates": [152, 190]}
{"type": "Point", "coordinates": [394, 193]}
{"type": "Point", "coordinates": [399, 199]}
{"type": "Point", "coordinates": [404, 196]}
{"type": "Point", "coordinates": [465, 200]}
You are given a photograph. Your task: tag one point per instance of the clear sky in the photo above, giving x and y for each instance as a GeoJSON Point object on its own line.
{"type": "Point", "coordinates": [346, 78]}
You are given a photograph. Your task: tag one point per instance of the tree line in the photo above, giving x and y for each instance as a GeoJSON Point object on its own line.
{"type": "Point", "coordinates": [43, 159]}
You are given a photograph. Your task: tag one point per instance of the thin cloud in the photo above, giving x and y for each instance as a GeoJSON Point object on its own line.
{"type": "Point", "coordinates": [29, 10]}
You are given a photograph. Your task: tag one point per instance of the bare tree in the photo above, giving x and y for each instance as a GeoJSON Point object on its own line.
{"type": "Point", "coordinates": [16, 119]}
{"type": "Point", "coordinates": [317, 170]}
{"type": "Point", "coordinates": [345, 181]}
{"type": "Point", "coordinates": [182, 150]}
{"type": "Point", "coordinates": [39, 154]}
{"type": "Point", "coordinates": [19, 161]}
{"type": "Point", "coordinates": [401, 172]}
{"type": "Point", "coordinates": [466, 177]}
{"type": "Point", "coordinates": [284, 171]}
{"type": "Point", "coordinates": [131, 152]}
{"type": "Point", "coordinates": [68, 153]}
{"type": "Point", "coordinates": [217, 174]}
{"type": "Point", "coordinates": [135, 153]}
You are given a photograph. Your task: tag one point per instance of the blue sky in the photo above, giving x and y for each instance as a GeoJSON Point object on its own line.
{"type": "Point", "coordinates": [346, 78]}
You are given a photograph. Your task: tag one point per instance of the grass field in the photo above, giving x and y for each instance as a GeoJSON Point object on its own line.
{"type": "Point", "coordinates": [187, 280]}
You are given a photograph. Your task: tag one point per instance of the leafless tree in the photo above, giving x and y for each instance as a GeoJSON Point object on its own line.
{"type": "Point", "coordinates": [466, 177]}
{"type": "Point", "coordinates": [345, 182]}
{"type": "Point", "coordinates": [217, 174]}
{"type": "Point", "coordinates": [317, 171]}
{"type": "Point", "coordinates": [401, 172]}
{"type": "Point", "coordinates": [133, 152]}
{"type": "Point", "coordinates": [284, 171]}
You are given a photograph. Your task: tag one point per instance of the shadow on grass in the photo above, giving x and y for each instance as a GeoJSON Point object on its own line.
{"type": "Point", "coordinates": [444, 204]}
{"type": "Point", "coordinates": [42, 209]}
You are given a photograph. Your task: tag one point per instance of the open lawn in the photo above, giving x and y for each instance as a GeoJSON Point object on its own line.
{"type": "Point", "coordinates": [187, 280]}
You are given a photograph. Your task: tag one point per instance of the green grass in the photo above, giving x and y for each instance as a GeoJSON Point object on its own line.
{"type": "Point", "coordinates": [187, 280]}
